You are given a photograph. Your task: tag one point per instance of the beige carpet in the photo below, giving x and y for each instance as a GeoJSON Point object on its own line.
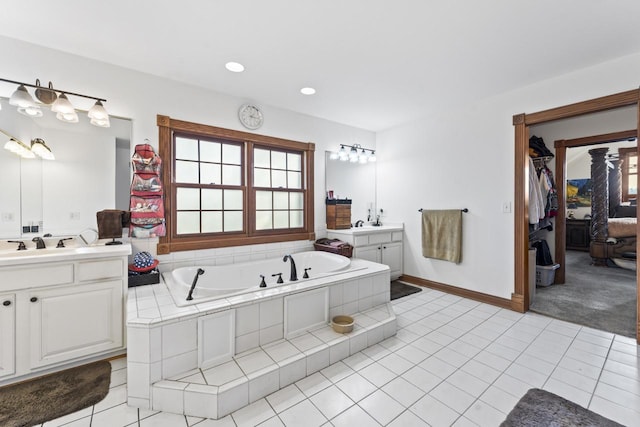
{"type": "Point", "coordinates": [52, 396]}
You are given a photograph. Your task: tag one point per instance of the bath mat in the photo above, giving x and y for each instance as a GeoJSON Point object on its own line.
{"type": "Point", "coordinates": [52, 396]}
{"type": "Point", "coordinates": [541, 408]}
{"type": "Point", "coordinates": [400, 289]}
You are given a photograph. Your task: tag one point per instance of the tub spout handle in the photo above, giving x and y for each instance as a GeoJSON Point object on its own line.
{"type": "Point", "coordinates": [199, 273]}
{"type": "Point", "coordinates": [263, 284]}
{"type": "Point", "coordinates": [306, 275]}
{"type": "Point", "coordinates": [279, 277]}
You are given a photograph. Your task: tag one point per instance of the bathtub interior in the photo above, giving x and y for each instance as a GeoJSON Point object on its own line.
{"type": "Point", "coordinates": [237, 279]}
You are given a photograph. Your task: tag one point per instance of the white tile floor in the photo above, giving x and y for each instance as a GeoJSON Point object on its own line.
{"type": "Point", "coordinates": [454, 361]}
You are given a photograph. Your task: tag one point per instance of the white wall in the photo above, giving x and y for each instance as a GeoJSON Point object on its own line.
{"type": "Point", "coordinates": [141, 97]}
{"type": "Point", "coordinates": [464, 157]}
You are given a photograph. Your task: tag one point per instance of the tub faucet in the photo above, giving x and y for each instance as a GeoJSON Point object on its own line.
{"type": "Point", "coordinates": [294, 273]}
{"type": "Point", "coordinates": [199, 273]}
{"type": "Point", "coordinates": [39, 243]}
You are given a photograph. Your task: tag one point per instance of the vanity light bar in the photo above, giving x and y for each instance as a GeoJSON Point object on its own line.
{"type": "Point", "coordinates": [38, 86]}
{"type": "Point", "coordinates": [59, 103]}
{"type": "Point", "coordinates": [27, 151]}
{"type": "Point", "coordinates": [356, 153]}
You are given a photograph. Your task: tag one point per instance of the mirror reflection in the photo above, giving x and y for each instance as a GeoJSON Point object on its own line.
{"type": "Point", "coordinates": [355, 181]}
{"type": "Point", "coordinates": [90, 173]}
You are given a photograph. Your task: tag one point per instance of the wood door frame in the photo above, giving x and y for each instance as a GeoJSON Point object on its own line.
{"type": "Point", "coordinates": [561, 146]}
{"type": "Point", "coordinates": [522, 122]}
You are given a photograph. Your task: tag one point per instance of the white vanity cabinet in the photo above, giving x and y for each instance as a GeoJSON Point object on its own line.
{"type": "Point", "coordinates": [60, 313]}
{"type": "Point", "coordinates": [377, 244]}
{"type": "Point", "coordinates": [7, 334]}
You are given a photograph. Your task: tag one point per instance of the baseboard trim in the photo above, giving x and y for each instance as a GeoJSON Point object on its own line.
{"type": "Point", "coordinates": [461, 292]}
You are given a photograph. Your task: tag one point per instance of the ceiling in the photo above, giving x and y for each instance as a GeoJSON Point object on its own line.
{"type": "Point", "coordinates": [374, 63]}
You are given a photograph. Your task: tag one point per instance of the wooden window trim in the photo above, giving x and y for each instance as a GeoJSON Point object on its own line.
{"type": "Point", "coordinates": [624, 154]}
{"type": "Point", "coordinates": [171, 243]}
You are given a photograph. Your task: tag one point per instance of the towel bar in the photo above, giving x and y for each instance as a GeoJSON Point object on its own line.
{"type": "Point", "coordinates": [465, 210]}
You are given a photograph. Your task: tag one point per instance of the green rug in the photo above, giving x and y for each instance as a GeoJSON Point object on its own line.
{"type": "Point", "coordinates": [49, 397]}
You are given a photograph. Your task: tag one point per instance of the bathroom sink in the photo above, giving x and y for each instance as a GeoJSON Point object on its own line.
{"type": "Point", "coordinates": [32, 255]}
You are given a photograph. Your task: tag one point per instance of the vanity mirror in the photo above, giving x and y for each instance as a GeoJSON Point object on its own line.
{"type": "Point", "coordinates": [356, 181]}
{"type": "Point", "coordinates": [90, 173]}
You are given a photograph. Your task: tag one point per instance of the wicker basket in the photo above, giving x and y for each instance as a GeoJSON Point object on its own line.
{"type": "Point", "coordinates": [335, 246]}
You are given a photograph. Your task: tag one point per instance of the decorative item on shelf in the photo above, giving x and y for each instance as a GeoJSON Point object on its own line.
{"type": "Point", "coordinates": [143, 270]}
{"type": "Point", "coordinates": [355, 154]}
{"type": "Point", "coordinates": [147, 202]}
{"type": "Point", "coordinates": [28, 151]}
{"type": "Point", "coordinates": [59, 102]}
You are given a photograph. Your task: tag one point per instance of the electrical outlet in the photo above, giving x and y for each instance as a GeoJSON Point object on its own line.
{"type": "Point", "coordinates": [75, 216]}
{"type": "Point", "coordinates": [7, 216]}
{"type": "Point", "coordinates": [506, 207]}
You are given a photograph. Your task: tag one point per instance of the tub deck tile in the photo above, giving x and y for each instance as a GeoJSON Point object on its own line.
{"type": "Point", "coordinates": [256, 373]}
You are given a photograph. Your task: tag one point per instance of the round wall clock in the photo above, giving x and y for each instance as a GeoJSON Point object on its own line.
{"type": "Point", "coordinates": [250, 116]}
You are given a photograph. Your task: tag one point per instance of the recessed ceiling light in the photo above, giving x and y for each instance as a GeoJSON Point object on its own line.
{"type": "Point", "coordinates": [307, 91]}
{"type": "Point", "coordinates": [235, 67]}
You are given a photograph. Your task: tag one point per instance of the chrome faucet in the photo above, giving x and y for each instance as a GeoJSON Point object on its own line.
{"type": "Point", "coordinates": [294, 273]}
{"type": "Point", "coordinates": [39, 243]}
{"type": "Point", "coordinates": [359, 223]}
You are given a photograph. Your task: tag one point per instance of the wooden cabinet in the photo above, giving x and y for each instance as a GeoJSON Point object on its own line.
{"type": "Point", "coordinates": [578, 234]}
{"type": "Point", "coordinates": [338, 214]}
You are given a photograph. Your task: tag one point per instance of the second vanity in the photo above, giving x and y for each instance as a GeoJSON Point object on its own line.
{"type": "Point", "coordinates": [60, 307]}
{"type": "Point", "coordinates": [381, 244]}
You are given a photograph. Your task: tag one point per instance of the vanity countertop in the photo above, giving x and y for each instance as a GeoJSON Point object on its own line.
{"type": "Point", "coordinates": [35, 256]}
{"type": "Point", "coordinates": [368, 229]}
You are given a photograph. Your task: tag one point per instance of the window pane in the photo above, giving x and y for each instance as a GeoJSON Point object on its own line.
{"type": "Point", "coordinates": [263, 200]}
{"type": "Point", "coordinates": [187, 199]}
{"type": "Point", "coordinates": [264, 220]}
{"type": "Point", "coordinates": [294, 162]}
{"type": "Point", "coordinates": [231, 175]}
{"type": "Point", "coordinates": [211, 200]}
{"type": "Point", "coordinates": [233, 221]}
{"type": "Point", "coordinates": [295, 179]}
{"type": "Point", "coordinates": [296, 201]}
{"type": "Point", "coordinates": [633, 184]}
{"type": "Point", "coordinates": [633, 164]}
{"type": "Point", "coordinates": [261, 158]}
{"type": "Point", "coordinates": [188, 222]}
{"type": "Point", "coordinates": [187, 172]}
{"type": "Point", "coordinates": [262, 178]}
{"type": "Point", "coordinates": [211, 222]}
{"type": "Point", "coordinates": [296, 219]}
{"type": "Point", "coordinates": [280, 200]}
{"type": "Point", "coordinates": [278, 179]}
{"type": "Point", "coordinates": [281, 219]}
{"type": "Point", "coordinates": [231, 154]}
{"type": "Point", "coordinates": [233, 200]}
{"type": "Point", "coordinates": [186, 148]}
{"type": "Point", "coordinates": [210, 173]}
{"type": "Point", "coordinates": [278, 160]}
{"type": "Point", "coordinates": [210, 151]}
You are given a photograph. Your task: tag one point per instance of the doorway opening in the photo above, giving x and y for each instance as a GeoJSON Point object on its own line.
{"type": "Point", "coordinates": [520, 298]}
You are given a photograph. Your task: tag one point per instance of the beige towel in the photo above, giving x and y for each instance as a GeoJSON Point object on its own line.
{"type": "Point", "coordinates": [442, 235]}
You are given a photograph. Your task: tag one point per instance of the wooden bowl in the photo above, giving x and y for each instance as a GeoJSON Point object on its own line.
{"type": "Point", "coordinates": [342, 324]}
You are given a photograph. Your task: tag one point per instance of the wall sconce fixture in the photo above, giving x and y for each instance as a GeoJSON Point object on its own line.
{"type": "Point", "coordinates": [19, 148]}
{"type": "Point", "coordinates": [356, 153]}
{"type": "Point", "coordinates": [59, 102]}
